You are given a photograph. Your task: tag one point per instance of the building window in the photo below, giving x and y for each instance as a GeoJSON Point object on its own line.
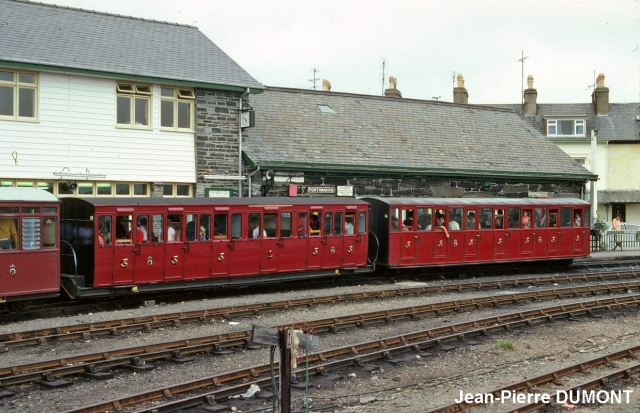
{"type": "Point", "coordinates": [565, 127]}
{"type": "Point", "coordinates": [140, 190]}
{"type": "Point", "coordinates": [581, 161]}
{"type": "Point", "coordinates": [133, 105]}
{"type": "Point", "coordinates": [176, 109]}
{"type": "Point", "coordinates": [85, 188]}
{"type": "Point", "coordinates": [123, 189]}
{"type": "Point", "coordinates": [177, 190]}
{"type": "Point", "coordinates": [18, 95]}
{"type": "Point", "coordinates": [104, 188]}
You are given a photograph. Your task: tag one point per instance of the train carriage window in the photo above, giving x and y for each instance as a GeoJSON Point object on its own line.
{"type": "Point", "coordinates": [455, 219]}
{"type": "Point", "coordinates": [499, 219]}
{"type": "Point", "coordinates": [48, 210]}
{"type": "Point", "coordinates": [30, 233]}
{"type": "Point", "coordinates": [395, 213]}
{"type": "Point", "coordinates": [577, 218]}
{"type": "Point", "coordinates": [236, 226]}
{"type": "Point", "coordinates": [540, 218]}
{"type": "Point", "coordinates": [285, 225]}
{"type": "Point", "coordinates": [587, 218]}
{"type": "Point", "coordinates": [553, 218]}
{"type": "Point", "coordinates": [49, 232]}
{"type": "Point", "coordinates": [8, 231]}
{"type": "Point", "coordinates": [302, 224]}
{"type": "Point", "coordinates": [485, 218]}
{"type": "Point", "coordinates": [123, 229]}
{"type": "Point", "coordinates": [255, 230]}
{"type": "Point", "coordinates": [470, 222]}
{"type": "Point", "coordinates": [142, 232]}
{"type": "Point", "coordinates": [220, 226]}
{"type": "Point", "coordinates": [104, 230]}
{"type": "Point", "coordinates": [349, 223]}
{"type": "Point", "coordinates": [30, 210]}
{"type": "Point", "coordinates": [513, 218]}
{"type": "Point", "coordinates": [174, 228]}
{"type": "Point", "coordinates": [157, 228]}
{"type": "Point", "coordinates": [314, 224]}
{"type": "Point", "coordinates": [407, 219]}
{"type": "Point", "coordinates": [526, 218]}
{"type": "Point", "coordinates": [328, 223]}
{"type": "Point", "coordinates": [337, 224]}
{"type": "Point", "coordinates": [191, 229]}
{"type": "Point", "coordinates": [270, 225]}
{"type": "Point", "coordinates": [362, 222]}
{"type": "Point", "coordinates": [565, 217]}
{"type": "Point", "coordinates": [424, 219]}
{"type": "Point", "coordinates": [204, 229]}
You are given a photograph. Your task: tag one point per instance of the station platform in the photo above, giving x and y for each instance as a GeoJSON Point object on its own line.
{"type": "Point", "coordinates": [613, 255]}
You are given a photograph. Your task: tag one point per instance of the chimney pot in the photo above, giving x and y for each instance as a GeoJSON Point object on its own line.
{"type": "Point", "coordinates": [600, 80]}
{"type": "Point", "coordinates": [460, 94]}
{"type": "Point", "coordinates": [460, 80]}
{"type": "Point", "coordinates": [393, 88]}
{"type": "Point", "coordinates": [529, 82]}
{"type": "Point", "coordinates": [326, 85]}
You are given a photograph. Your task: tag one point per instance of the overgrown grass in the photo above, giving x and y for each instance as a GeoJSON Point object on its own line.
{"type": "Point", "coordinates": [506, 345]}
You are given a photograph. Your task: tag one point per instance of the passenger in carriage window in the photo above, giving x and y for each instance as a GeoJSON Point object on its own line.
{"type": "Point", "coordinates": [348, 225]}
{"type": "Point", "coordinates": [440, 224]}
{"type": "Point", "coordinates": [577, 220]}
{"type": "Point", "coordinates": [553, 221]}
{"type": "Point", "coordinates": [541, 217]}
{"type": "Point", "coordinates": [8, 234]}
{"type": "Point", "coordinates": [255, 227]}
{"type": "Point", "coordinates": [471, 220]}
{"type": "Point", "coordinates": [499, 222]}
{"type": "Point", "coordinates": [526, 218]}
{"type": "Point", "coordinates": [394, 223]}
{"type": "Point", "coordinates": [203, 232]}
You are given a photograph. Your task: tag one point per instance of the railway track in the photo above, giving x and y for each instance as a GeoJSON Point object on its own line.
{"type": "Point", "coordinates": [135, 324]}
{"type": "Point", "coordinates": [392, 348]}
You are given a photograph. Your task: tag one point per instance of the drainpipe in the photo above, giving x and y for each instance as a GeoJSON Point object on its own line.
{"type": "Point", "coordinates": [251, 176]}
{"type": "Point", "coordinates": [594, 170]}
{"type": "Point", "coordinates": [240, 145]}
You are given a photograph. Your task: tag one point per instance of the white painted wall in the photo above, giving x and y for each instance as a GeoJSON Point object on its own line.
{"type": "Point", "coordinates": [77, 130]}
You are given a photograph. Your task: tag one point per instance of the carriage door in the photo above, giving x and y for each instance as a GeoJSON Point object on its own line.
{"type": "Point", "coordinates": [293, 244]}
{"type": "Point", "coordinates": [456, 235]}
{"type": "Point", "coordinates": [174, 246]}
{"type": "Point", "coordinates": [197, 259]}
{"type": "Point", "coordinates": [218, 240]}
{"type": "Point", "coordinates": [526, 236]}
{"type": "Point", "coordinates": [553, 233]}
{"type": "Point", "coordinates": [314, 251]}
{"type": "Point", "coordinates": [586, 232]}
{"type": "Point", "coordinates": [244, 249]}
{"type": "Point", "coordinates": [423, 237]}
{"type": "Point", "coordinates": [331, 242]}
{"type": "Point", "coordinates": [270, 244]}
{"type": "Point", "coordinates": [565, 231]}
{"type": "Point", "coordinates": [351, 236]}
{"type": "Point", "coordinates": [472, 236]}
{"type": "Point", "coordinates": [103, 268]}
{"type": "Point", "coordinates": [540, 233]}
{"type": "Point", "coordinates": [486, 244]}
{"type": "Point", "coordinates": [123, 256]}
{"type": "Point", "coordinates": [516, 220]}
{"type": "Point", "coordinates": [408, 237]}
{"type": "Point", "coordinates": [149, 248]}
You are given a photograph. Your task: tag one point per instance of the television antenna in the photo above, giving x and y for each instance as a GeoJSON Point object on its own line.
{"type": "Point", "coordinates": [384, 62]}
{"type": "Point", "coordinates": [522, 75]}
{"type": "Point", "coordinates": [315, 71]}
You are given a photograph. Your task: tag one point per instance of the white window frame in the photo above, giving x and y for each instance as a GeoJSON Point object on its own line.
{"type": "Point", "coordinates": [16, 84]}
{"type": "Point", "coordinates": [552, 125]}
{"type": "Point", "coordinates": [180, 96]}
{"type": "Point", "coordinates": [135, 91]}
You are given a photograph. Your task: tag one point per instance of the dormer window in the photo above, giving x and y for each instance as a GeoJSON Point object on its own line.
{"type": "Point", "coordinates": [565, 127]}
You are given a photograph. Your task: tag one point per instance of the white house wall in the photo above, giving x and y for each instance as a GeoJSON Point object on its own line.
{"type": "Point", "coordinates": [77, 130]}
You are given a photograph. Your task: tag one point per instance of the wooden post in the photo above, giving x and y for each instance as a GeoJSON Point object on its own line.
{"type": "Point", "coordinates": [285, 370]}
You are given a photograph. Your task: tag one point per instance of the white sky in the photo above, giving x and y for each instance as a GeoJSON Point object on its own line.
{"type": "Point", "coordinates": [423, 42]}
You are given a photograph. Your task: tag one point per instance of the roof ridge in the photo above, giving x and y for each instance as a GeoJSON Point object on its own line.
{"type": "Point", "coordinates": [102, 13]}
{"type": "Point", "coordinates": [376, 97]}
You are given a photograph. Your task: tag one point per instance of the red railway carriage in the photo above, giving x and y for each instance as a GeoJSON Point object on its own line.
{"type": "Point", "coordinates": [154, 244]}
{"type": "Point", "coordinates": [29, 246]}
{"type": "Point", "coordinates": [417, 232]}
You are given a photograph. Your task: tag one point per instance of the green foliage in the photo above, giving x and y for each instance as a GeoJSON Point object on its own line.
{"type": "Point", "coordinates": [506, 345]}
{"type": "Point", "coordinates": [600, 225]}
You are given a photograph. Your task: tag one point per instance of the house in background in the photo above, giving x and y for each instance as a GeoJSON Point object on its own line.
{"type": "Point", "coordinates": [106, 105]}
{"type": "Point", "coordinates": [614, 154]}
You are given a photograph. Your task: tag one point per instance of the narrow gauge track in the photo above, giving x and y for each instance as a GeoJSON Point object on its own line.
{"type": "Point", "coordinates": [553, 376]}
{"type": "Point", "coordinates": [176, 351]}
{"type": "Point", "coordinates": [114, 327]}
{"type": "Point", "coordinates": [237, 382]}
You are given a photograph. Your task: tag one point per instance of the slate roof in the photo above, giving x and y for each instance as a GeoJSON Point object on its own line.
{"type": "Point", "coordinates": [620, 125]}
{"type": "Point", "coordinates": [294, 130]}
{"type": "Point", "coordinates": [48, 35]}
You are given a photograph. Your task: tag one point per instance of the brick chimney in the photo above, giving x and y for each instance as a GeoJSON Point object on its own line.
{"type": "Point", "coordinates": [460, 94]}
{"type": "Point", "coordinates": [530, 98]}
{"type": "Point", "coordinates": [326, 85]}
{"type": "Point", "coordinates": [600, 96]}
{"type": "Point", "coordinates": [392, 92]}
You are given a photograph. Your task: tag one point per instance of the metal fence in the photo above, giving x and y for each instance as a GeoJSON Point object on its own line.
{"type": "Point", "coordinates": [626, 240]}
